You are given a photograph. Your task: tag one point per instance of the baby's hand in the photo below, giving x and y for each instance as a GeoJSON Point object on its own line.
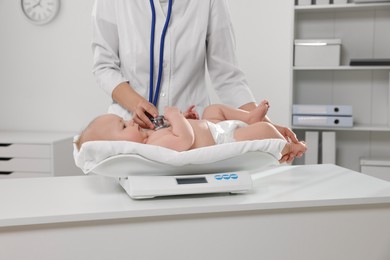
{"type": "Point", "coordinates": [190, 113]}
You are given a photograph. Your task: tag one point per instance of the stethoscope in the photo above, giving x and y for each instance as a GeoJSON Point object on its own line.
{"type": "Point", "coordinates": [154, 98]}
{"type": "Point", "coordinates": [159, 121]}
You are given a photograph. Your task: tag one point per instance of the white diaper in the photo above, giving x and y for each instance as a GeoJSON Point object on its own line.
{"type": "Point", "coordinates": [223, 132]}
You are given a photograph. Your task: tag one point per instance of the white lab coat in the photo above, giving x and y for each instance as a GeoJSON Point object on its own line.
{"type": "Point", "coordinates": [200, 32]}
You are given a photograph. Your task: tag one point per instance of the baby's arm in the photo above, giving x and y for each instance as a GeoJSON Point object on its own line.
{"type": "Point", "coordinates": [181, 137]}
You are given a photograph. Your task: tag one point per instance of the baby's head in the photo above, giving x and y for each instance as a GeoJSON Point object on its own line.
{"type": "Point", "coordinates": [111, 127]}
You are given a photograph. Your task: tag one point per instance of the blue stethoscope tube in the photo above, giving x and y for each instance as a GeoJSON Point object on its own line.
{"type": "Point", "coordinates": [160, 65]}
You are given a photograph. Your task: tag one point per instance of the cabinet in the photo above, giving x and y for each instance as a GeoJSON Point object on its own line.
{"type": "Point", "coordinates": [36, 154]}
{"type": "Point", "coordinates": [364, 32]}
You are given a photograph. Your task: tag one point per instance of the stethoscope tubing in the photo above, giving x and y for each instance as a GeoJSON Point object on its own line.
{"type": "Point", "coordinates": [153, 98]}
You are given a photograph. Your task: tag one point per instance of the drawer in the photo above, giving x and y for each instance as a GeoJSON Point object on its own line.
{"type": "Point", "coordinates": [12, 175]}
{"type": "Point", "coordinates": [25, 165]}
{"type": "Point", "coordinates": [381, 172]}
{"type": "Point", "coordinates": [379, 168]}
{"type": "Point", "coordinates": [25, 150]}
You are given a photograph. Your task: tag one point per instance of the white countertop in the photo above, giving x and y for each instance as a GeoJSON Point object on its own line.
{"type": "Point", "coordinates": [84, 198]}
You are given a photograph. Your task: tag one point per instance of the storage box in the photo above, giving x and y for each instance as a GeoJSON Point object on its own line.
{"type": "Point", "coordinates": [376, 168]}
{"type": "Point", "coordinates": [324, 52]}
{"type": "Point", "coordinates": [340, 2]}
{"type": "Point", "coordinates": [322, 2]}
{"type": "Point", "coordinates": [304, 2]}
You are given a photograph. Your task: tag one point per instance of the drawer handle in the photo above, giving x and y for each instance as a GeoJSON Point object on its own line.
{"type": "Point", "coordinates": [5, 173]}
{"type": "Point", "coordinates": [4, 145]}
{"type": "Point", "coordinates": [5, 158]}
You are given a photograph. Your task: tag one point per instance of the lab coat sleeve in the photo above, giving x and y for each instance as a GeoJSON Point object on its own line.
{"type": "Point", "coordinates": [228, 80]}
{"type": "Point", "coordinates": [105, 46]}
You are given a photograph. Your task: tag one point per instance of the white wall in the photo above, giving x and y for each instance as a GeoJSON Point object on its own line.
{"type": "Point", "coordinates": [264, 33]}
{"type": "Point", "coordinates": [45, 71]}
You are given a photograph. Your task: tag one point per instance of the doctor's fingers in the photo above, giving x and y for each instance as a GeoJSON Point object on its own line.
{"type": "Point", "coordinates": [140, 118]}
{"type": "Point", "coordinates": [145, 106]}
{"type": "Point", "coordinates": [290, 157]}
{"type": "Point", "coordinates": [285, 159]}
{"type": "Point", "coordinates": [291, 135]}
{"type": "Point", "coordinates": [140, 115]}
{"type": "Point", "coordinates": [141, 123]}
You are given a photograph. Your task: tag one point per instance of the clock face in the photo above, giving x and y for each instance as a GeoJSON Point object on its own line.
{"type": "Point", "coordinates": [40, 11]}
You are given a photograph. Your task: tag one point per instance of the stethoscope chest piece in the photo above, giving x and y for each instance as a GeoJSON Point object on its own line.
{"type": "Point", "coordinates": [159, 123]}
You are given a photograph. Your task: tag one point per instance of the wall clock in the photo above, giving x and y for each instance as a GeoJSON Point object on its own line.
{"type": "Point", "coordinates": [40, 11]}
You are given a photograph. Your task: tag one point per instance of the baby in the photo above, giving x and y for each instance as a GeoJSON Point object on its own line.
{"type": "Point", "coordinates": [219, 124]}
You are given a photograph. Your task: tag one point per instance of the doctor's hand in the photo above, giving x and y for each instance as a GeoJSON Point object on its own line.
{"type": "Point", "coordinates": [128, 98]}
{"type": "Point", "coordinates": [140, 117]}
{"type": "Point", "coordinates": [290, 137]}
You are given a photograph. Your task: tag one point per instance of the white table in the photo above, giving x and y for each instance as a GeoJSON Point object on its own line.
{"type": "Point", "coordinates": [295, 212]}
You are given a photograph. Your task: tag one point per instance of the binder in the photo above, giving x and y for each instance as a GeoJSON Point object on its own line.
{"type": "Point", "coordinates": [329, 147]}
{"type": "Point", "coordinates": [327, 121]}
{"type": "Point", "coordinates": [311, 155]}
{"type": "Point", "coordinates": [323, 110]}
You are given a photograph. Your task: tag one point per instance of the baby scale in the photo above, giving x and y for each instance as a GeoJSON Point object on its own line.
{"type": "Point", "coordinates": [147, 171]}
{"type": "Point", "coordinates": [146, 187]}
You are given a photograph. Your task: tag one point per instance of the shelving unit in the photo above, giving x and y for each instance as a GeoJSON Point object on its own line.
{"type": "Point", "coordinates": [386, 68]}
{"type": "Point", "coordinates": [341, 7]}
{"type": "Point", "coordinates": [364, 32]}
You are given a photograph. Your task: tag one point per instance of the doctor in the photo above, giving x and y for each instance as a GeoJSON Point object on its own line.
{"type": "Point", "coordinates": [149, 54]}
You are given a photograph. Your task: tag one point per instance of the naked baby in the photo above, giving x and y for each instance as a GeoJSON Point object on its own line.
{"type": "Point", "coordinates": [219, 124]}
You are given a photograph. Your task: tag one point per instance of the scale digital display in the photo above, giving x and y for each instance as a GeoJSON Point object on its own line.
{"type": "Point", "coordinates": [193, 180]}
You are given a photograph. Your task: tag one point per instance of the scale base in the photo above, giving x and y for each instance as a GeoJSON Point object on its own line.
{"type": "Point", "coordinates": [147, 187]}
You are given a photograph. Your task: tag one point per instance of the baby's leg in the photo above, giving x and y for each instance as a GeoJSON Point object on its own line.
{"type": "Point", "coordinates": [257, 131]}
{"type": "Point", "coordinates": [264, 130]}
{"type": "Point", "coordinates": [219, 112]}
{"type": "Point", "coordinates": [258, 114]}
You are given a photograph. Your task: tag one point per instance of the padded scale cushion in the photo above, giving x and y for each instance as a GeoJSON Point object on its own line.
{"type": "Point", "coordinates": [123, 158]}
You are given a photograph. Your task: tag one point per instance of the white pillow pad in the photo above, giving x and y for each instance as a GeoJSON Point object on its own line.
{"type": "Point", "coordinates": [123, 158]}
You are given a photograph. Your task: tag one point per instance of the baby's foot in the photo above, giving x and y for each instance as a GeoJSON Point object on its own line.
{"type": "Point", "coordinates": [259, 113]}
{"type": "Point", "coordinates": [294, 150]}
{"type": "Point", "coordinates": [298, 148]}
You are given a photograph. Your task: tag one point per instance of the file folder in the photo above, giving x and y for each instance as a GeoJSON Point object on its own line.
{"type": "Point", "coordinates": [328, 147]}
{"type": "Point", "coordinates": [327, 121]}
{"type": "Point", "coordinates": [323, 110]}
{"type": "Point", "coordinates": [312, 140]}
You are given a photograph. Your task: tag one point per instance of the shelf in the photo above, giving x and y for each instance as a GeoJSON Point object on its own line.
{"type": "Point", "coordinates": [344, 68]}
{"type": "Point", "coordinates": [344, 7]}
{"type": "Point", "coordinates": [378, 128]}
{"type": "Point", "coordinates": [363, 29]}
